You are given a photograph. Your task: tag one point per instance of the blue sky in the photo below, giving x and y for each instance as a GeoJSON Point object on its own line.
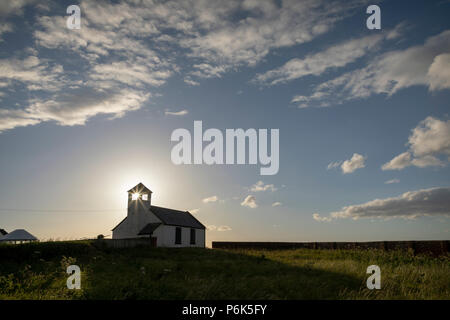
{"type": "Point", "coordinates": [363, 115]}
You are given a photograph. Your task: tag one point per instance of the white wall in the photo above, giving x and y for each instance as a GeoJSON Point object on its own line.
{"type": "Point", "coordinates": [166, 237]}
{"type": "Point", "coordinates": [165, 234]}
{"type": "Point", "coordinates": [138, 217]}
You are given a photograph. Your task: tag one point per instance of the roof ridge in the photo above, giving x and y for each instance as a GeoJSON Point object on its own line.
{"type": "Point", "coordinates": [196, 219]}
{"type": "Point", "coordinates": [176, 217]}
{"type": "Point", "coordinates": [167, 208]}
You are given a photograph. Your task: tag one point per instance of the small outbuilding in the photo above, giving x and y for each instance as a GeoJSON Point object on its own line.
{"type": "Point", "coordinates": [18, 236]}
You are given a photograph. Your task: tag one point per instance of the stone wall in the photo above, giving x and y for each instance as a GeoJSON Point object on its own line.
{"type": "Point", "coordinates": [434, 247]}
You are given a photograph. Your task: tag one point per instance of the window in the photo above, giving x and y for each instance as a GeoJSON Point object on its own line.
{"type": "Point", "coordinates": [135, 196]}
{"type": "Point", "coordinates": [192, 236]}
{"type": "Point", "coordinates": [177, 235]}
{"type": "Point", "coordinates": [145, 197]}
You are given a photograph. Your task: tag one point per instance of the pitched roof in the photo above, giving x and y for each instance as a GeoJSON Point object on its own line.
{"type": "Point", "coordinates": [173, 217]}
{"type": "Point", "coordinates": [149, 228]}
{"type": "Point", "coordinates": [176, 217]}
{"type": "Point", "coordinates": [140, 188]}
{"type": "Point", "coordinates": [119, 223]}
{"type": "Point", "coordinates": [18, 235]}
{"type": "Point", "coordinates": [3, 232]}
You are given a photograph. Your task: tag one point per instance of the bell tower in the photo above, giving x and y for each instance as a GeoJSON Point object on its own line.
{"type": "Point", "coordinates": [139, 202]}
{"type": "Point", "coordinates": [139, 197]}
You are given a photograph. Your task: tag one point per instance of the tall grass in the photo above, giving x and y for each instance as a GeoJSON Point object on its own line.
{"type": "Point", "coordinates": [37, 271]}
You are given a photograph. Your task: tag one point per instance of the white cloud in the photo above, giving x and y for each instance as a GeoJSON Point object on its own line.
{"type": "Point", "coordinates": [223, 228]}
{"type": "Point", "coordinates": [356, 162]}
{"type": "Point", "coordinates": [399, 162]}
{"type": "Point", "coordinates": [188, 80]}
{"type": "Point", "coordinates": [76, 107]}
{"type": "Point", "coordinates": [411, 204]}
{"type": "Point", "coordinates": [427, 161]}
{"type": "Point", "coordinates": [260, 186]}
{"type": "Point", "coordinates": [439, 72]}
{"type": "Point", "coordinates": [210, 199]}
{"type": "Point", "coordinates": [205, 70]}
{"type": "Point", "coordinates": [404, 160]}
{"type": "Point", "coordinates": [111, 33]}
{"type": "Point", "coordinates": [386, 74]}
{"type": "Point", "coordinates": [263, 26]}
{"type": "Point", "coordinates": [334, 164]}
{"type": "Point", "coordinates": [132, 74]}
{"type": "Point", "coordinates": [219, 228]}
{"type": "Point", "coordinates": [431, 136]}
{"type": "Point", "coordinates": [350, 165]}
{"type": "Point", "coordinates": [176, 113]}
{"type": "Point", "coordinates": [209, 30]}
{"type": "Point", "coordinates": [13, 7]}
{"type": "Point", "coordinates": [317, 217]}
{"type": "Point", "coordinates": [392, 181]}
{"type": "Point", "coordinates": [315, 64]}
{"type": "Point", "coordinates": [430, 139]}
{"type": "Point", "coordinates": [5, 28]}
{"type": "Point", "coordinates": [15, 118]}
{"type": "Point", "coordinates": [33, 72]}
{"type": "Point", "coordinates": [73, 108]}
{"type": "Point", "coordinates": [276, 204]}
{"type": "Point", "coordinates": [124, 47]}
{"type": "Point", "coordinates": [250, 202]}
{"type": "Point", "coordinates": [52, 33]}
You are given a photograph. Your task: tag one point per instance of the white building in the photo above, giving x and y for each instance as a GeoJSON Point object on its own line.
{"type": "Point", "coordinates": [165, 227]}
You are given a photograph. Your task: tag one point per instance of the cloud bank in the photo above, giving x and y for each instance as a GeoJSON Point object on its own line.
{"type": "Point", "coordinates": [411, 204]}
{"type": "Point", "coordinates": [426, 65]}
{"type": "Point", "coordinates": [131, 48]}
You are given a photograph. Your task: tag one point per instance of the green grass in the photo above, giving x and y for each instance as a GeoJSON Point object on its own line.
{"type": "Point", "coordinates": [37, 271]}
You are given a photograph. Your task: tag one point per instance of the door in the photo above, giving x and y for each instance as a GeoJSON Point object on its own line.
{"type": "Point", "coordinates": [153, 242]}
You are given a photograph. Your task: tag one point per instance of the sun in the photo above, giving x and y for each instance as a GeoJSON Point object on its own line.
{"type": "Point", "coordinates": [135, 196]}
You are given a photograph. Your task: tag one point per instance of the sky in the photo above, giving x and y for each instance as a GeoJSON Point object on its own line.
{"type": "Point", "coordinates": [362, 114]}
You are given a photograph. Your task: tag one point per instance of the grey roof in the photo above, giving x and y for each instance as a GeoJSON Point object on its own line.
{"type": "Point", "coordinates": [176, 217]}
{"type": "Point", "coordinates": [18, 235]}
{"type": "Point", "coordinates": [173, 217]}
{"type": "Point", "coordinates": [149, 228]}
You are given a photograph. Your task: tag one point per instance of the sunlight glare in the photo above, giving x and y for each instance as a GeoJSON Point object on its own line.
{"type": "Point", "coordinates": [135, 196]}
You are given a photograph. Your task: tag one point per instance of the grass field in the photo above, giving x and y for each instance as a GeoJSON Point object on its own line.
{"type": "Point", "coordinates": [37, 271]}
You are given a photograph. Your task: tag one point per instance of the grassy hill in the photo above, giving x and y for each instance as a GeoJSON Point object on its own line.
{"type": "Point", "coordinates": [37, 271]}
